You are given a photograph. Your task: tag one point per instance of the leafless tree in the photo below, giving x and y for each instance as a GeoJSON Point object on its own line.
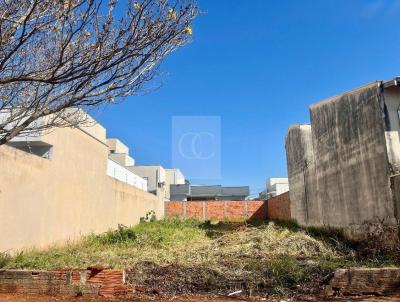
{"type": "Point", "coordinates": [58, 57]}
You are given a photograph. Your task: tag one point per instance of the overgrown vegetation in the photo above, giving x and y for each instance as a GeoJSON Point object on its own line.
{"type": "Point", "coordinates": [173, 256]}
{"type": "Point", "coordinates": [4, 259]}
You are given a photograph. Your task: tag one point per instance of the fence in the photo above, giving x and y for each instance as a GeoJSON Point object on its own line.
{"type": "Point", "coordinates": [277, 207]}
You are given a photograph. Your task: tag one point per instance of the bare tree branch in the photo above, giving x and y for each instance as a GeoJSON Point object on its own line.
{"type": "Point", "coordinates": [61, 54]}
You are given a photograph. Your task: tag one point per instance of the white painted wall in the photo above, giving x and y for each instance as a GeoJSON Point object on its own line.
{"type": "Point", "coordinates": [174, 177]}
{"type": "Point", "coordinates": [122, 159]}
{"type": "Point", "coordinates": [277, 185]}
{"type": "Point", "coordinates": [392, 101]}
{"type": "Point", "coordinates": [281, 188]}
{"type": "Point", "coordinates": [116, 146]}
{"type": "Point", "coordinates": [123, 174]}
{"type": "Point", "coordinates": [155, 175]}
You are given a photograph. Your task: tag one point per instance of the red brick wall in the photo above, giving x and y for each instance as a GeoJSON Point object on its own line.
{"type": "Point", "coordinates": [257, 209]}
{"type": "Point", "coordinates": [215, 210]}
{"type": "Point", "coordinates": [175, 209]}
{"type": "Point", "coordinates": [279, 207]}
{"type": "Point", "coordinates": [235, 210]}
{"type": "Point", "coordinates": [194, 209]}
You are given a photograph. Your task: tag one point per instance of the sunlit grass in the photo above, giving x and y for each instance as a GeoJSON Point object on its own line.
{"type": "Point", "coordinates": [275, 256]}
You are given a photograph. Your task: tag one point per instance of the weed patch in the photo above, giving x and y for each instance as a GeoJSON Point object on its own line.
{"type": "Point", "coordinates": [4, 259]}
{"type": "Point", "coordinates": [177, 257]}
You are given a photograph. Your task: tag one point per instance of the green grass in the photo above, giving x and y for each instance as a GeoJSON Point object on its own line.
{"type": "Point", "coordinates": [161, 241]}
{"type": "Point", "coordinates": [273, 257]}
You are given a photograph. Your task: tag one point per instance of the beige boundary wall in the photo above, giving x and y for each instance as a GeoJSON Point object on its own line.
{"type": "Point", "coordinates": [51, 201]}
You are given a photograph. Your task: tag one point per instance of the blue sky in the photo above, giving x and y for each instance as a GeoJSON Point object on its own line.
{"type": "Point", "coordinates": [259, 65]}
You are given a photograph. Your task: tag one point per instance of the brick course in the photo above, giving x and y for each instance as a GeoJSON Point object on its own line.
{"type": "Point", "coordinates": [257, 209]}
{"type": "Point", "coordinates": [215, 210]}
{"type": "Point", "coordinates": [67, 283]}
{"type": "Point", "coordinates": [175, 208]}
{"type": "Point", "coordinates": [194, 209]}
{"type": "Point", "coordinates": [277, 207]}
{"type": "Point", "coordinates": [235, 210]}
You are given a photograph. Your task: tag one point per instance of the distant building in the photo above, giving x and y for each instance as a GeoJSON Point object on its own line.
{"type": "Point", "coordinates": [173, 177]}
{"type": "Point", "coordinates": [119, 152]}
{"type": "Point", "coordinates": [118, 164]}
{"type": "Point", "coordinates": [118, 156]}
{"type": "Point", "coordinates": [188, 192]}
{"type": "Point", "coordinates": [344, 168]}
{"type": "Point", "coordinates": [159, 179]}
{"type": "Point", "coordinates": [155, 177]}
{"type": "Point", "coordinates": [275, 186]}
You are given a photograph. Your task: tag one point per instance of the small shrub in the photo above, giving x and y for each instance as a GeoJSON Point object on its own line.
{"type": "Point", "coordinates": [285, 271]}
{"type": "Point", "coordinates": [150, 217]}
{"type": "Point", "coordinates": [4, 259]}
{"type": "Point", "coordinates": [291, 224]}
{"type": "Point", "coordinates": [335, 237]}
{"type": "Point", "coordinates": [382, 242]}
{"type": "Point", "coordinates": [122, 235]}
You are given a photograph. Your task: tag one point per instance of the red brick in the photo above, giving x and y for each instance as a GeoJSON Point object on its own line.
{"type": "Point", "coordinates": [279, 207]}
{"type": "Point", "coordinates": [106, 283]}
{"type": "Point", "coordinates": [235, 210]}
{"type": "Point", "coordinates": [194, 209]}
{"type": "Point", "coordinates": [257, 209]}
{"type": "Point", "coordinates": [174, 208]}
{"type": "Point", "coordinates": [215, 210]}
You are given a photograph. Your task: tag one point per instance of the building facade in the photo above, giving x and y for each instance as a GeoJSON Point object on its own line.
{"type": "Point", "coordinates": [118, 164]}
{"type": "Point", "coordinates": [156, 179]}
{"type": "Point", "coordinates": [56, 187]}
{"type": "Point", "coordinates": [343, 168]}
{"type": "Point", "coordinates": [173, 177]}
{"type": "Point", "coordinates": [188, 192]}
{"type": "Point", "coordinates": [159, 179]}
{"type": "Point", "coordinates": [275, 186]}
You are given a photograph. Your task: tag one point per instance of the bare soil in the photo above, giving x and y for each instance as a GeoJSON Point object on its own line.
{"type": "Point", "coordinates": [23, 298]}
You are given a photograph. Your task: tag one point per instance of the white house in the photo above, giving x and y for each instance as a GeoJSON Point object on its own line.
{"type": "Point", "coordinates": [275, 186]}
{"type": "Point", "coordinates": [159, 179]}
{"type": "Point", "coordinates": [119, 163]}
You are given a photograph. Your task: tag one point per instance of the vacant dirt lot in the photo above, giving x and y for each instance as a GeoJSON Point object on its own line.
{"type": "Point", "coordinates": [19, 298]}
{"type": "Point", "coordinates": [174, 258]}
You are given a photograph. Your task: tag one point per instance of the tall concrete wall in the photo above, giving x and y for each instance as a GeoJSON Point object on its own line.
{"type": "Point", "coordinates": [305, 207]}
{"type": "Point", "coordinates": [339, 167]}
{"type": "Point", "coordinates": [47, 201]}
{"type": "Point", "coordinates": [352, 170]}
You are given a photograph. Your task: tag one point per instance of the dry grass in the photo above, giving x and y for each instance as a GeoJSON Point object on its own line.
{"type": "Point", "coordinates": [173, 241]}
{"type": "Point", "coordinates": [186, 256]}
